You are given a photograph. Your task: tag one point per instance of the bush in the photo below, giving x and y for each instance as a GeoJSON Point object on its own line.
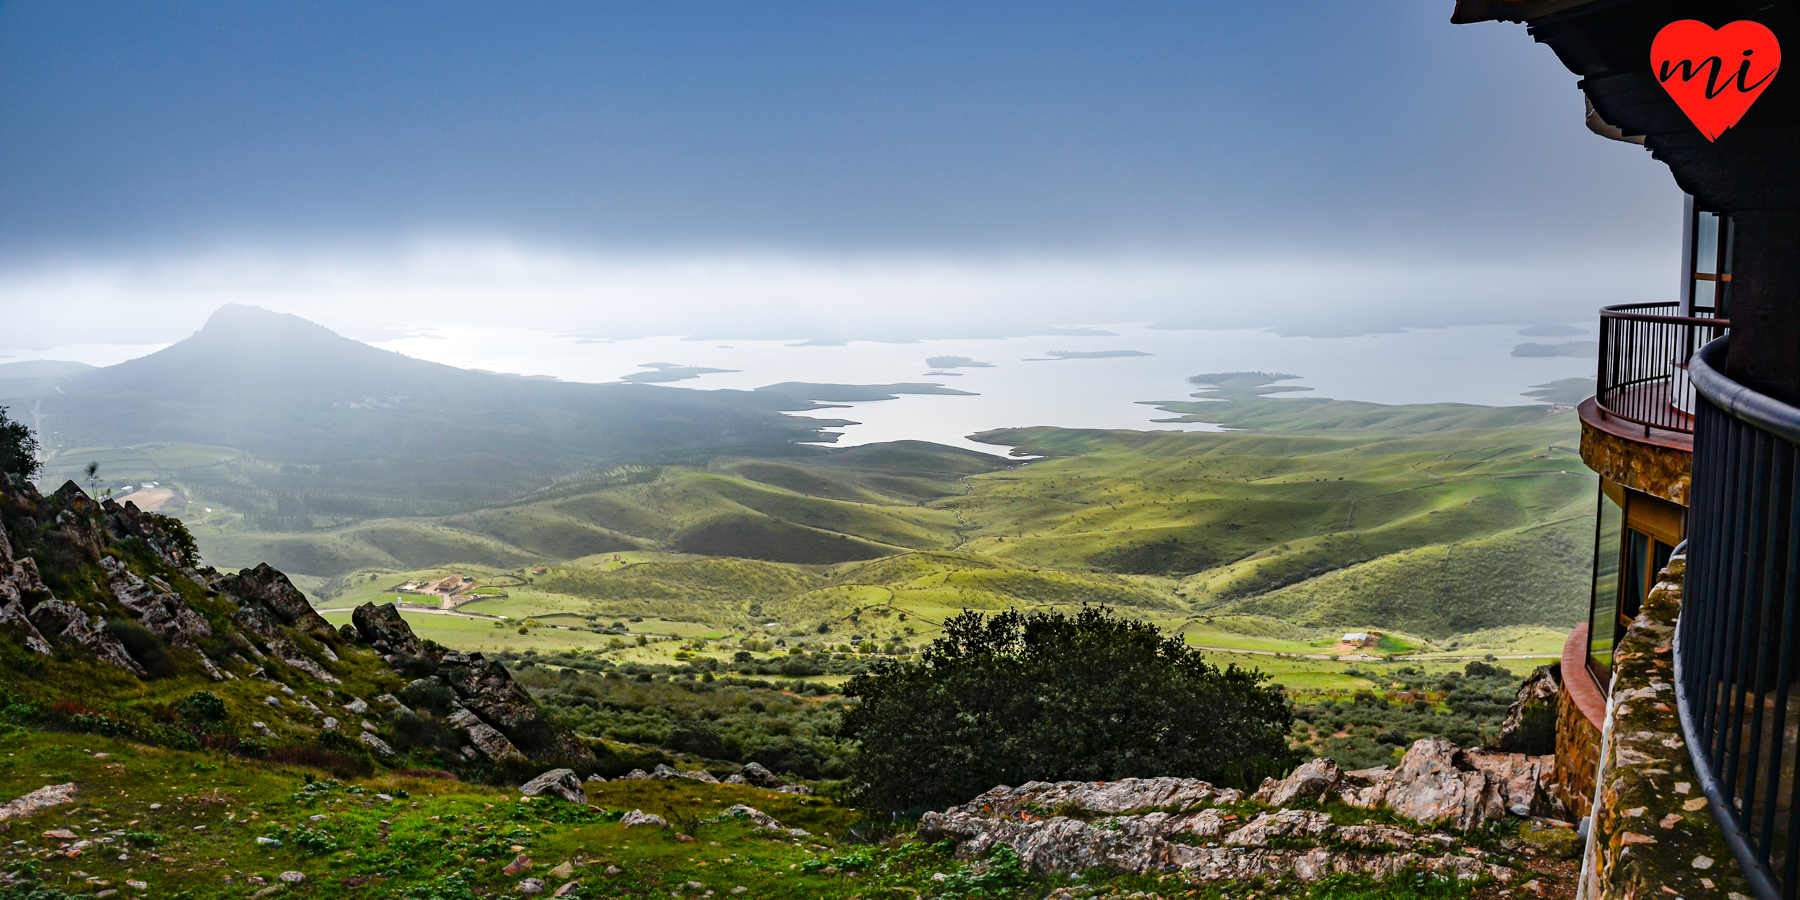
{"type": "Point", "coordinates": [1537, 730]}
{"type": "Point", "coordinates": [410, 731]}
{"type": "Point", "coordinates": [144, 646]}
{"type": "Point", "coordinates": [202, 706]}
{"type": "Point", "coordinates": [1050, 697]}
{"type": "Point", "coordinates": [700, 739]}
{"type": "Point", "coordinates": [321, 758]}
{"type": "Point", "coordinates": [430, 696]}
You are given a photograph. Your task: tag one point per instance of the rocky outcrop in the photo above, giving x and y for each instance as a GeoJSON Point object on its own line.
{"type": "Point", "coordinates": [20, 589]}
{"type": "Point", "coordinates": [382, 627]}
{"type": "Point", "coordinates": [486, 689]}
{"type": "Point", "coordinates": [1539, 691]}
{"type": "Point", "coordinates": [1436, 781]}
{"type": "Point", "coordinates": [561, 783]}
{"type": "Point", "coordinates": [1074, 826]}
{"type": "Point", "coordinates": [155, 605]}
{"type": "Point", "coordinates": [39, 800]}
{"type": "Point", "coordinates": [1149, 825]}
{"type": "Point", "coordinates": [267, 589]}
{"type": "Point", "coordinates": [284, 650]}
{"type": "Point", "coordinates": [64, 620]}
{"type": "Point", "coordinates": [500, 720]}
{"type": "Point", "coordinates": [638, 817]}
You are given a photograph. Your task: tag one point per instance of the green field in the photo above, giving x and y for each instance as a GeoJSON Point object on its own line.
{"type": "Point", "coordinates": [1455, 531]}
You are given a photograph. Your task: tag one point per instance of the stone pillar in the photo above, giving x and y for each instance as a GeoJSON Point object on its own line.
{"type": "Point", "coordinates": [1765, 303]}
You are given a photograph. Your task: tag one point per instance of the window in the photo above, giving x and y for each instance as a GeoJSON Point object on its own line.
{"type": "Point", "coordinates": [1709, 239]}
{"type": "Point", "coordinates": [1635, 536]}
{"type": "Point", "coordinates": [1603, 610]}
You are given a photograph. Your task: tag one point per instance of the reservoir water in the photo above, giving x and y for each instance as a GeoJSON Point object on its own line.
{"type": "Point", "coordinates": [1024, 386]}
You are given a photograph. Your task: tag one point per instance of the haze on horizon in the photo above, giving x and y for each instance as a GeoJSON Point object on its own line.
{"type": "Point", "coordinates": [877, 171]}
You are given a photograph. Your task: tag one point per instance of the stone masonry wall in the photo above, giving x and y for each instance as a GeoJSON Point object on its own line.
{"type": "Point", "coordinates": [1577, 753]}
{"type": "Point", "coordinates": [1652, 834]}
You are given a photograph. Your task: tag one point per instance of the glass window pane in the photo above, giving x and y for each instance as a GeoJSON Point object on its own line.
{"type": "Point", "coordinates": [1637, 564]}
{"type": "Point", "coordinates": [1706, 243]}
{"type": "Point", "coordinates": [1604, 610]}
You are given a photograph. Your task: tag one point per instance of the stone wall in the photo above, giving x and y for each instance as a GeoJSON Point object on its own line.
{"type": "Point", "coordinates": [1580, 709]}
{"type": "Point", "coordinates": [1652, 834]}
{"type": "Point", "coordinates": [1577, 755]}
{"type": "Point", "coordinates": [1639, 464]}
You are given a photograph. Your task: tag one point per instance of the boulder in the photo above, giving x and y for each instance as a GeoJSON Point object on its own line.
{"type": "Point", "coordinates": [155, 606]}
{"type": "Point", "coordinates": [1524, 781]}
{"type": "Point", "coordinates": [382, 628]}
{"type": "Point", "coordinates": [39, 800]}
{"type": "Point", "coordinates": [762, 820]}
{"type": "Point", "coordinates": [755, 775]}
{"type": "Point", "coordinates": [489, 691]}
{"type": "Point", "coordinates": [284, 650]}
{"type": "Point", "coordinates": [484, 737]}
{"type": "Point", "coordinates": [700, 775]}
{"type": "Point", "coordinates": [638, 817]}
{"type": "Point", "coordinates": [1076, 826]}
{"type": "Point", "coordinates": [266, 587]}
{"type": "Point", "coordinates": [377, 744]}
{"type": "Point", "coordinates": [1311, 781]}
{"type": "Point", "coordinates": [65, 620]}
{"type": "Point", "coordinates": [1541, 688]}
{"type": "Point", "coordinates": [562, 783]}
{"type": "Point", "coordinates": [1436, 782]}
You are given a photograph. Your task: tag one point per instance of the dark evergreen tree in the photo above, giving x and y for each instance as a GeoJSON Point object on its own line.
{"type": "Point", "coordinates": [18, 448]}
{"type": "Point", "coordinates": [1049, 697]}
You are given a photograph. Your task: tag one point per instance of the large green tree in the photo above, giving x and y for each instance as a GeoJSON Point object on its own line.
{"type": "Point", "coordinates": [1049, 697]}
{"type": "Point", "coordinates": [18, 448]}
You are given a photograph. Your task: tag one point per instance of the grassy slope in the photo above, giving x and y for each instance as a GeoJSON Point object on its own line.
{"type": "Point", "coordinates": [1427, 521]}
{"type": "Point", "coordinates": [187, 824]}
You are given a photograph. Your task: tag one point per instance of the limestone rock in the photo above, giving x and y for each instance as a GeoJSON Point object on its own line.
{"type": "Point", "coordinates": [563, 783]}
{"type": "Point", "coordinates": [383, 629]}
{"type": "Point", "coordinates": [156, 607]}
{"type": "Point", "coordinates": [763, 820]}
{"type": "Point", "coordinates": [1122, 826]}
{"type": "Point", "coordinates": [639, 817]}
{"type": "Point", "coordinates": [284, 650]}
{"type": "Point", "coordinates": [1436, 782]}
{"type": "Point", "coordinates": [267, 588]}
{"type": "Point", "coordinates": [1524, 781]}
{"type": "Point", "coordinates": [1311, 781]}
{"type": "Point", "coordinates": [1540, 688]}
{"type": "Point", "coordinates": [755, 775]}
{"type": "Point", "coordinates": [65, 620]}
{"type": "Point", "coordinates": [700, 775]}
{"type": "Point", "coordinates": [380, 746]}
{"type": "Point", "coordinates": [489, 691]}
{"type": "Point", "coordinates": [39, 800]}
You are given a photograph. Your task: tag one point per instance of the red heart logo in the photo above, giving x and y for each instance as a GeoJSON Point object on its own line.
{"type": "Point", "coordinates": [1714, 76]}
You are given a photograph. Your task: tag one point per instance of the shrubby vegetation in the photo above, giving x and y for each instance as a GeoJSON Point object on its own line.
{"type": "Point", "coordinates": [1370, 729]}
{"type": "Point", "coordinates": [1046, 696]}
{"type": "Point", "coordinates": [693, 711]}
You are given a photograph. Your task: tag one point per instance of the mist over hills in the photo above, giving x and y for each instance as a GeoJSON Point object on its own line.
{"type": "Point", "coordinates": [329, 426]}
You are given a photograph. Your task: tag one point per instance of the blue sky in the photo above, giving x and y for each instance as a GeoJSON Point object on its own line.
{"type": "Point", "coordinates": [150, 150]}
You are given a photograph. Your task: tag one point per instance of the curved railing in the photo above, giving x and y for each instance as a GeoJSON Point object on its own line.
{"type": "Point", "coordinates": [1737, 647]}
{"type": "Point", "coordinates": [1644, 354]}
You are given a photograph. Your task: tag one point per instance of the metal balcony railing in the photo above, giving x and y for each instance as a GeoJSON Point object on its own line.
{"type": "Point", "coordinates": [1644, 354]}
{"type": "Point", "coordinates": [1737, 646]}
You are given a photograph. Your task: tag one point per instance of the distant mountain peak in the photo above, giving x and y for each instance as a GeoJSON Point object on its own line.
{"type": "Point", "coordinates": [235, 320]}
